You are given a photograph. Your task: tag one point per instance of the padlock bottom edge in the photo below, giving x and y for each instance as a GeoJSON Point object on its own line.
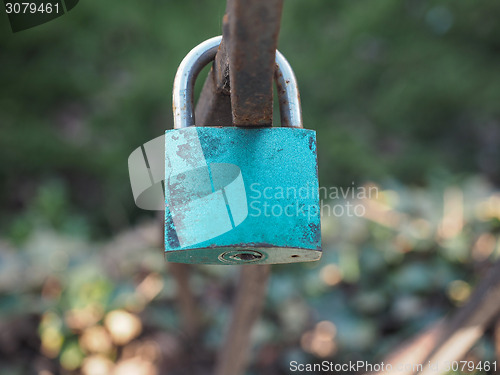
{"type": "Point", "coordinates": [231, 255]}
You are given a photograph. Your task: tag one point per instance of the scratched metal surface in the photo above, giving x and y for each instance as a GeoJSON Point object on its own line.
{"type": "Point", "coordinates": [276, 159]}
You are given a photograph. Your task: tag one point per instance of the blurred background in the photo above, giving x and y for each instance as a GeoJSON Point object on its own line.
{"type": "Point", "coordinates": [403, 95]}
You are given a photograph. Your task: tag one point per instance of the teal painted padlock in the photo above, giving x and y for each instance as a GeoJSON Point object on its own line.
{"type": "Point", "coordinates": [238, 195]}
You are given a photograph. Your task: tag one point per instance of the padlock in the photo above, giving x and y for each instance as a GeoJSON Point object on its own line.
{"type": "Point", "coordinates": [240, 195]}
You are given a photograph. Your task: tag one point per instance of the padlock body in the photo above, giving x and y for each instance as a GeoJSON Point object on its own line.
{"type": "Point", "coordinates": [241, 195]}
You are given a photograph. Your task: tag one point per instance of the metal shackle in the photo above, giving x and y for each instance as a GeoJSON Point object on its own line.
{"type": "Point", "coordinates": [200, 56]}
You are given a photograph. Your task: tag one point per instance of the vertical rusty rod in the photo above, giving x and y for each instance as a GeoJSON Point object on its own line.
{"type": "Point", "coordinates": [247, 306]}
{"type": "Point", "coordinates": [250, 36]}
{"type": "Point", "coordinates": [239, 92]}
{"type": "Point", "coordinates": [251, 43]}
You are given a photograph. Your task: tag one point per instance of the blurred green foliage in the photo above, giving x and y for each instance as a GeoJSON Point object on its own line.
{"type": "Point", "coordinates": [396, 89]}
{"type": "Point", "coordinates": [379, 283]}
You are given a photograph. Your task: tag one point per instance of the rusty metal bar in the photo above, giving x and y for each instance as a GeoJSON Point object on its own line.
{"type": "Point", "coordinates": [214, 104]}
{"type": "Point", "coordinates": [250, 35]}
{"type": "Point", "coordinates": [213, 108]}
{"type": "Point", "coordinates": [243, 95]}
{"type": "Point", "coordinates": [251, 43]}
{"type": "Point", "coordinates": [247, 306]}
{"type": "Point", "coordinates": [239, 92]}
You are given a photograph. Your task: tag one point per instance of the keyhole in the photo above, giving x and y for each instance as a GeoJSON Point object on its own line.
{"type": "Point", "coordinates": [247, 256]}
{"type": "Point", "coordinates": [239, 256]}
